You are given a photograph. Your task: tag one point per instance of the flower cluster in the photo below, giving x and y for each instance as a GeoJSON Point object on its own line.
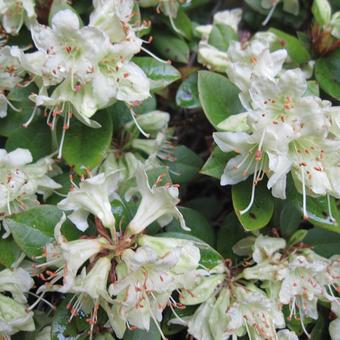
{"type": "Point", "coordinates": [234, 305]}
{"type": "Point", "coordinates": [21, 180]}
{"type": "Point", "coordinates": [285, 128]}
{"type": "Point", "coordinates": [131, 276]}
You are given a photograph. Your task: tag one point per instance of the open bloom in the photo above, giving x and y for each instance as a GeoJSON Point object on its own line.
{"type": "Point", "coordinates": [20, 181]}
{"type": "Point", "coordinates": [68, 257]}
{"type": "Point", "coordinates": [157, 203]}
{"type": "Point", "coordinates": [14, 314]}
{"type": "Point", "coordinates": [92, 196]}
{"type": "Point", "coordinates": [14, 13]}
{"type": "Point", "coordinates": [254, 58]}
{"type": "Point", "coordinates": [147, 277]}
{"type": "Point", "coordinates": [71, 50]}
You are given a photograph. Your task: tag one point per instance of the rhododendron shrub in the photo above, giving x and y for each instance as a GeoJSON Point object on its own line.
{"type": "Point", "coordinates": [170, 169]}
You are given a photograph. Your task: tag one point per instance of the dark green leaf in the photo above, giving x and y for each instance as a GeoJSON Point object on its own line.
{"type": "Point", "coordinates": [9, 253]}
{"type": "Point", "coordinates": [296, 49]}
{"type": "Point", "coordinates": [160, 74]}
{"type": "Point", "coordinates": [185, 166]}
{"type": "Point", "coordinates": [171, 47]}
{"type": "Point", "coordinates": [85, 147]}
{"type": "Point", "coordinates": [221, 36]}
{"type": "Point", "coordinates": [187, 93]}
{"type": "Point", "coordinates": [36, 137]}
{"type": "Point", "coordinates": [324, 242]}
{"type": "Point", "coordinates": [327, 73]}
{"type": "Point", "coordinates": [152, 334]}
{"type": "Point", "coordinates": [183, 24]}
{"type": "Point", "coordinates": [262, 209]}
{"type": "Point", "coordinates": [218, 96]}
{"type": "Point", "coordinates": [34, 228]}
{"type": "Point", "coordinates": [198, 224]}
{"type": "Point", "coordinates": [216, 163]}
{"type": "Point", "coordinates": [290, 219]}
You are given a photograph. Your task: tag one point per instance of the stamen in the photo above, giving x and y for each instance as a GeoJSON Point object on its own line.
{"type": "Point", "coordinates": [304, 201]}
{"type": "Point", "coordinates": [242, 212]}
{"type": "Point", "coordinates": [133, 115]}
{"type": "Point", "coordinates": [269, 15]}
{"type": "Point", "coordinates": [331, 218]}
{"type": "Point", "coordinates": [25, 125]}
{"type": "Point", "coordinates": [154, 56]}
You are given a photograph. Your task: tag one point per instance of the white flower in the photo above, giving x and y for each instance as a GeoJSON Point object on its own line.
{"type": "Point", "coordinates": [71, 50]}
{"type": "Point", "coordinates": [112, 17]}
{"type": "Point", "coordinates": [265, 247]}
{"type": "Point", "coordinates": [254, 58]}
{"type": "Point", "coordinates": [14, 13]}
{"type": "Point", "coordinates": [253, 311]}
{"type": "Point", "coordinates": [301, 284]}
{"type": "Point", "coordinates": [92, 196]}
{"type": "Point", "coordinates": [14, 317]}
{"type": "Point", "coordinates": [20, 181]}
{"type": "Point", "coordinates": [335, 24]}
{"type": "Point", "coordinates": [230, 18]}
{"type": "Point", "coordinates": [211, 57]}
{"type": "Point", "coordinates": [68, 256]}
{"type": "Point", "coordinates": [11, 74]}
{"type": "Point", "coordinates": [17, 282]}
{"type": "Point", "coordinates": [117, 78]}
{"type": "Point", "coordinates": [157, 203]}
{"type": "Point", "coordinates": [286, 334]}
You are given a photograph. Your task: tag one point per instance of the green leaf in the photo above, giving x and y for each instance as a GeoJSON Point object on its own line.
{"type": "Point", "coordinates": [183, 24]}
{"type": "Point", "coordinates": [324, 242]}
{"type": "Point", "coordinates": [221, 36]}
{"type": "Point", "coordinates": [14, 119]}
{"type": "Point", "coordinates": [34, 228]}
{"type": "Point", "coordinates": [262, 209]}
{"type": "Point", "coordinates": [317, 211]}
{"type": "Point", "coordinates": [62, 328]}
{"type": "Point", "coordinates": [218, 96]}
{"type": "Point", "coordinates": [152, 334]}
{"type": "Point", "coordinates": [295, 48]}
{"type": "Point", "coordinates": [160, 74]}
{"type": "Point", "coordinates": [36, 137]}
{"type": "Point", "coordinates": [185, 166]}
{"type": "Point", "coordinates": [290, 218]}
{"type": "Point", "coordinates": [216, 163]}
{"type": "Point", "coordinates": [9, 253]}
{"type": "Point", "coordinates": [85, 147]}
{"type": "Point", "coordinates": [171, 47]}
{"type": "Point", "coordinates": [187, 93]}
{"type": "Point", "coordinates": [198, 224]}
{"type": "Point", "coordinates": [228, 235]}
{"type": "Point", "coordinates": [327, 73]}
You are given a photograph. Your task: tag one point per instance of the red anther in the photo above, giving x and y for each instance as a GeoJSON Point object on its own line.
{"type": "Point", "coordinates": [126, 74]}
{"type": "Point", "coordinates": [258, 155]}
{"type": "Point", "coordinates": [317, 168]}
{"type": "Point", "coordinates": [77, 88]}
{"type": "Point", "coordinates": [66, 126]}
{"type": "Point", "coordinates": [68, 49]}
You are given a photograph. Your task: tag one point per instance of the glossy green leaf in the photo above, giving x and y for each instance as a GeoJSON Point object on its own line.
{"type": "Point", "coordinates": [262, 209]}
{"type": "Point", "coordinates": [183, 24]}
{"type": "Point", "coordinates": [160, 74]}
{"type": "Point", "coordinates": [9, 253]}
{"type": "Point", "coordinates": [187, 93]}
{"type": "Point", "coordinates": [296, 49]}
{"type": "Point", "coordinates": [185, 165]}
{"type": "Point", "coordinates": [324, 242]}
{"type": "Point", "coordinates": [170, 46]}
{"type": "Point", "coordinates": [221, 36]}
{"type": "Point", "coordinates": [228, 235]}
{"type": "Point", "coordinates": [216, 163]}
{"type": "Point", "coordinates": [327, 73]}
{"type": "Point", "coordinates": [36, 137]}
{"type": "Point", "coordinates": [85, 147]}
{"type": "Point", "coordinates": [152, 334]}
{"type": "Point", "coordinates": [34, 228]}
{"type": "Point", "coordinates": [218, 96]}
{"type": "Point", "coordinates": [290, 218]}
{"type": "Point", "coordinates": [198, 224]}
